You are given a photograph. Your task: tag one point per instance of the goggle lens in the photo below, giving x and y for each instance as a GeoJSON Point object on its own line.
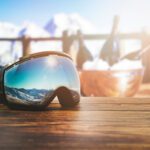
{"type": "Point", "coordinates": [34, 82]}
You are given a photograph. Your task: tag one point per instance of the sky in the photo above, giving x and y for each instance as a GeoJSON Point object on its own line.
{"type": "Point", "coordinates": [134, 14]}
{"type": "Point", "coordinates": [50, 75]}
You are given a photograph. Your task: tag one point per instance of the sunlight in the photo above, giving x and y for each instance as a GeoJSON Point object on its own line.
{"type": "Point", "coordinates": [51, 61]}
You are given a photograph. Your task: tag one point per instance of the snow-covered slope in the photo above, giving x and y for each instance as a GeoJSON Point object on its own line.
{"type": "Point", "coordinates": [70, 22]}
{"type": "Point", "coordinates": [8, 30]}
{"type": "Point", "coordinates": [32, 30]}
{"type": "Point", "coordinates": [10, 51]}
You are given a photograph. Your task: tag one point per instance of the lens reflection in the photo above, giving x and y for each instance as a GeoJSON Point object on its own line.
{"type": "Point", "coordinates": [34, 82]}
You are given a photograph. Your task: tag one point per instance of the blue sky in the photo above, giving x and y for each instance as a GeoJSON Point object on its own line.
{"type": "Point", "coordinates": [135, 14]}
{"type": "Point", "coordinates": [50, 75]}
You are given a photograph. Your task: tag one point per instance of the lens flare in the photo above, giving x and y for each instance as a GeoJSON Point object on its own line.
{"type": "Point", "coordinates": [52, 61]}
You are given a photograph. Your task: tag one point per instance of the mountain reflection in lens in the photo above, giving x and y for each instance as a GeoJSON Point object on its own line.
{"type": "Point", "coordinates": [34, 82]}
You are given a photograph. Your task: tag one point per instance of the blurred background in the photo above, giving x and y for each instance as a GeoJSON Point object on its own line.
{"type": "Point", "coordinates": [96, 33]}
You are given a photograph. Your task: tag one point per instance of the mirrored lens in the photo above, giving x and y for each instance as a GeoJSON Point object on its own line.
{"type": "Point", "coordinates": [33, 82]}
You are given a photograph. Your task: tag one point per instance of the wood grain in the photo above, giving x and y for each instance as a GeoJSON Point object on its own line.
{"type": "Point", "coordinates": [96, 123]}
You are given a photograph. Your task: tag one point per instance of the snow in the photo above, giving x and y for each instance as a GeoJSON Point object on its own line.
{"type": "Point", "coordinates": [70, 22]}
{"type": "Point", "coordinates": [10, 51]}
{"type": "Point", "coordinates": [98, 64]}
{"type": "Point", "coordinates": [32, 30]}
{"type": "Point", "coordinates": [8, 30]}
{"type": "Point", "coordinates": [127, 65]}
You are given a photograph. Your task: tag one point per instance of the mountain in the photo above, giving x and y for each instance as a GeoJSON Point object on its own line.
{"type": "Point", "coordinates": [10, 51]}
{"type": "Point", "coordinates": [32, 30]}
{"type": "Point", "coordinates": [26, 95]}
{"type": "Point", "coordinates": [70, 22]}
{"type": "Point", "coordinates": [36, 96]}
{"type": "Point", "coordinates": [8, 30]}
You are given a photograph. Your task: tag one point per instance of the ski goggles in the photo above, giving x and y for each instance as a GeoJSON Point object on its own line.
{"type": "Point", "coordinates": [34, 81]}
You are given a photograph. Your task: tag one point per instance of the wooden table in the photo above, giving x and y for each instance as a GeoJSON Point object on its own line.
{"type": "Point", "coordinates": [96, 123]}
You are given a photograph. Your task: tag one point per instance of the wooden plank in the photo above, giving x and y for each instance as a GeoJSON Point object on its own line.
{"type": "Point", "coordinates": [33, 39]}
{"type": "Point", "coordinates": [46, 39]}
{"type": "Point", "coordinates": [11, 39]}
{"type": "Point", "coordinates": [96, 123]}
{"type": "Point", "coordinates": [85, 36]}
